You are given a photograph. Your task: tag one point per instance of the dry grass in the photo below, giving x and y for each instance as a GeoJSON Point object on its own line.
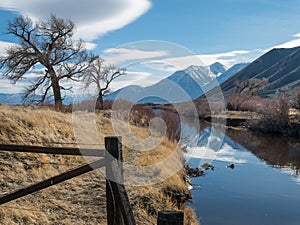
{"type": "Point", "coordinates": [80, 200]}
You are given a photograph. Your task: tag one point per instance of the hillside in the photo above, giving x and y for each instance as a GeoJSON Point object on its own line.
{"type": "Point", "coordinates": [80, 200]}
{"type": "Point", "coordinates": [280, 66]}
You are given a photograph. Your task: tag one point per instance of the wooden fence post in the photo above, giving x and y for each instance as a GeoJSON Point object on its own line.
{"type": "Point", "coordinates": [170, 218]}
{"type": "Point", "coordinates": [119, 211]}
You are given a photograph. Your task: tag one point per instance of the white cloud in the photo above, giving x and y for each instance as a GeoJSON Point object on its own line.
{"type": "Point", "coordinates": [93, 18]}
{"type": "Point", "coordinates": [292, 43]}
{"type": "Point", "coordinates": [90, 46]}
{"type": "Point", "coordinates": [146, 67]}
{"type": "Point", "coordinates": [6, 86]}
{"type": "Point", "coordinates": [140, 78]}
{"type": "Point", "coordinates": [297, 35]}
{"type": "Point", "coordinates": [123, 56]}
{"type": "Point", "coordinates": [4, 46]}
{"type": "Point", "coordinates": [227, 58]}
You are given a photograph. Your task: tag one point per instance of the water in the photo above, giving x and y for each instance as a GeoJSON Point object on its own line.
{"type": "Point", "coordinates": [262, 189]}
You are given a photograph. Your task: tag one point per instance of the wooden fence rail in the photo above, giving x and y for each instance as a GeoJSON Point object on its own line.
{"type": "Point", "coordinates": [52, 181]}
{"type": "Point", "coordinates": [119, 211]}
{"type": "Point", "coordinates": [53, 150]}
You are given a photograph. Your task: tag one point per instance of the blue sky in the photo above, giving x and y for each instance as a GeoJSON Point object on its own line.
{"type": "Point", "coordinates": [215, 26]}
{"type": "Point", "coordinates": [190, 31]}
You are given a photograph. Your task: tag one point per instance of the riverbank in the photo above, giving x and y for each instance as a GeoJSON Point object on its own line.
{"type": "Point", "coordinates": [80, 200]}
{"type": "Point", "coordinates": [258, 122]}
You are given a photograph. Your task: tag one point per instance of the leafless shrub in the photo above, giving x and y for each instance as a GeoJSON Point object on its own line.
{"type": "Point", "coordinates": [296, 99]}
{"type": "Point", "coordinates": [202, 107]}
{"type": "Point", "coordinates": [107, 104]}
{"type": "Point", "coordinates": [141, 115]}
{"type": "Point", "coordinates": [245, 102]}
{"type": "Point", "coordinates": [85, 105]}
{"type": "Point", "coordinates": [274, 118]}
{"type": "Point", "coordinates": [235, 101]}
{"type": "Point", "coordinates": [217, 107]}
{"type": "Point", "coordinates": [119, 104]}
{"type": "Point", "coordinates": [172, 121]}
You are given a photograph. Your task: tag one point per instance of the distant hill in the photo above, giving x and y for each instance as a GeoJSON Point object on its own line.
{"type": "Point", "coordinates": [17, 99]}
{"type": "Point", "coordinates": [280, 66]}
{"type": "Point", "coordinates": [11, 99]}
{"type": "Point", "coordinates": [182, 85]}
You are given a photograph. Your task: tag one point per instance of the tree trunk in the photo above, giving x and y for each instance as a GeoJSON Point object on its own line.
{"type": "Point", "coordinates": [99, 103]}
{"type": "Point", "coordinates": [57, 95]}
{"type": "Point", "coordinates": [55, 89]}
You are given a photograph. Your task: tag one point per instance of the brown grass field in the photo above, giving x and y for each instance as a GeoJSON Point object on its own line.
{"type": "Point", "coordinates": [80, 200]}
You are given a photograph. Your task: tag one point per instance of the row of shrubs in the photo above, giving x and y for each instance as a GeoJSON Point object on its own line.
{"type": "Point", "coordinates": [274, 115]}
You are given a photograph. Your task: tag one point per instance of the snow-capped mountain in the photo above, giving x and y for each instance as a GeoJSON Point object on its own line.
{"type": "Point", "coordinates": [182, 85]}
{"type": "Point", "coordinates": [217, 68]}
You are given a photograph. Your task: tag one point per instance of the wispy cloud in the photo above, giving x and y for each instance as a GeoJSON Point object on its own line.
{"type": "Point", "coordinates": [6, 86]}
{"type": "Point", "coordinates": [165, 58]}
{"type": "Point", "coordinates": [123, 56]}
{"type": "Point", "coordinates": [4, 46]}
{"type": "Point", "coordinates": [147, 63]}
{"type": "Point", "coordinates": [292, 43]}
{"type": "Point", "coordinates": [93, 18]}
{"type": "Point", "coordinates": [226, 58]}
{"type": "Point", "coordinates": [140, 78]}
{"type": "Point", "coordinates": [132, 77]}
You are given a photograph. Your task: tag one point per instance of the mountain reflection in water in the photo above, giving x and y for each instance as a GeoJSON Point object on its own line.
{"type": "Point", "coordinates": [277, 151]}
{"type": "Point", "coordinates": [263, 188]}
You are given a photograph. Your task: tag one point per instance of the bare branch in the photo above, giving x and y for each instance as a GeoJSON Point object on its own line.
{"type": "Point", "coordinates": [102, 76]}
{"type": "Point", "coordinates": [49, 44]}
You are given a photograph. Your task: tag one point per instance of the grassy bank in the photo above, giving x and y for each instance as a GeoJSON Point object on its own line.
{"type": "Point", "coordinates": [80, 200]}
{"type": "Point", "coordinates": [266, 122]}
{"type": "Point", "coordinates": [277, 115]}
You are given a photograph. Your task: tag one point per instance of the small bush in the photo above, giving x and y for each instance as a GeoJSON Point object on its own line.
{"type": "Point", "coordinates": [141, 115]}
{"type": "Point", "coordinates": [274, 117]}
{"type": "Point", "coordinates": [172, 121]}
{"type": "Point", "coordinates": [244, 102]}
{"type": "Point", "coordinates": [202, 107]}
{"type": "Point", "coordinates": [296, 99]}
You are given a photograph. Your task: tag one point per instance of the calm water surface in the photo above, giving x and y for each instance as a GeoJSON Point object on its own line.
{"type": "Point", "coordinates": [262, 189]}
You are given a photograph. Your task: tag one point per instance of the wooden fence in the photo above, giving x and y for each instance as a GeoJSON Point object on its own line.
{"type": "Point", "coordinates": [119, 211]}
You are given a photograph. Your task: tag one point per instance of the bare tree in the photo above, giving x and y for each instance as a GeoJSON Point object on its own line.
{"type": "Point", "coordinates": [251, 86]}
{"type": "Point", "coordinates": [46, 45]}
{"type": "Point", "coordinates": [101, 76]}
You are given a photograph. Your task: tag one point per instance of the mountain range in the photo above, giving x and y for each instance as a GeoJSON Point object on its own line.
{"type": "Point", "coordinates": [279, 67]}
{"type": "Point", "coordinates": [182, 85]}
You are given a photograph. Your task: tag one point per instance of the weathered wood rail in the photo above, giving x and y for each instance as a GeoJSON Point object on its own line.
{"type": "Point", "coordinates": [53, 150]}
{"type": "Point", "coordinates": [119, 211]}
